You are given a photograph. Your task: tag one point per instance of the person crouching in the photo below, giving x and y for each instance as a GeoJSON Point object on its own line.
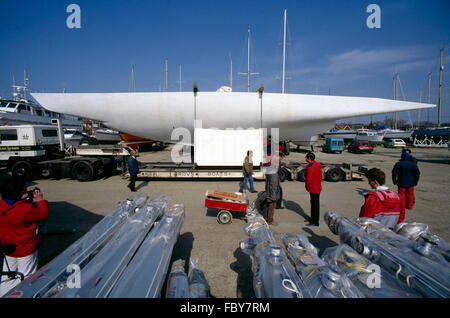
{"type": "Point", "coordinates": [19, 220]}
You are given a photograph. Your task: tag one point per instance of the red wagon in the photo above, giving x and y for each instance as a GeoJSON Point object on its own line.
{"type": "Point", "coordinates": [226, 203]}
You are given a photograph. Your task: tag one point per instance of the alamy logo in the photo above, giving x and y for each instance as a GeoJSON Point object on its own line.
{"type": "Point", "coordinates": [374, 20]}
{"type": "Point", "coordinates": [374, 279]}
{"type": "Point", "coordinates": [74, 19]}
{"type": "Point", "coordinates": [74, 279]}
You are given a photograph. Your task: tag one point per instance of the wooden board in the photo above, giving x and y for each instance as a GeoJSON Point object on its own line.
{"type": "Point", "coordinates": [224, 195]}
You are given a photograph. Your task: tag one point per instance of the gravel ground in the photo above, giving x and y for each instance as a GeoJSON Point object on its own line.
{"type": "Point", "coordinates": [78, 206]}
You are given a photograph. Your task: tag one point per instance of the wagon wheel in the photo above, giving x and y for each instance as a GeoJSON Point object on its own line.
{"type": "Point", "coordinates": [224, 217]}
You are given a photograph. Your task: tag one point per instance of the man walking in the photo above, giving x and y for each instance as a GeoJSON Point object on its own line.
{"type": "Point", "coordinates": [133, 169]}
{"type": "Point", "coordinates": [279, 204]}
{"type": "Point", "coordinates": [248, 172]}
{"type": "Point", "coordinates": [405, 175]}
{"type": "Point", "coordinates": [313, 184]}
{"type": "Point", "coordinates": [382, 204]}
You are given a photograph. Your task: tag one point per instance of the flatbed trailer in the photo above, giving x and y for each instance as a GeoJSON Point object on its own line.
{"type": "Point", "coordinates": [85, 164]}
{"type": "Point", "coordinates": [160, 170]}
{"type": "Point", "coordinates": [291, 171]}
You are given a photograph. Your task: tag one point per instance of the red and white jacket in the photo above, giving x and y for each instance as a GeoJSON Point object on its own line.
{"type": "Point", "coordinates": [18, 225]}
{"type": "Point", "coordinates": [385, 206]}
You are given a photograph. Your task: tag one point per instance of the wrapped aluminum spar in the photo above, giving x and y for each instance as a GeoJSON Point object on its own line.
{"type": "Point", "coordinates": [421, 233]}
{"type": "Point", "coordinates": [273, 274]}
{"type": "Point", "coordinates": [320, 278]}
{"type": "Point", "coordinates": [358, 269]}
{"type": "Point", "coordinates": [178, 284]}
{"type": "Point", "coordinates": [100, 275]}
{"type": "Point", "coordinates": [55, 273]}
{"type": "Point", "coordinates": [198, 284]}
{"type": "Point", "coordinates": [145, 274]}
{"type": "Point", "coordinates": [420, 267]}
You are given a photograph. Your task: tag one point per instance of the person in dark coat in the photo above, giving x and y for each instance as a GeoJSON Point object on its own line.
{"type": "Point", "coordinates": [279, 204]}
{"type": "Point", "coordinates": [405, 175]}
{"type": "Point", "coordinates": [133, 169]}
{"type": "Point", "coordinates": [272, 191]}
{"type": "Point", "coordinates": [411, 157]}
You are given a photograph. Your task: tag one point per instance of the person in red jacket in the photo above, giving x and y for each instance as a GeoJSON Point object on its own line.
{"type": "Point", "coordinates": [313, 184]}
{"type": "Point", "coordinates": [19, 220]}
{"type": "Point", "coordinates": [384, 205]}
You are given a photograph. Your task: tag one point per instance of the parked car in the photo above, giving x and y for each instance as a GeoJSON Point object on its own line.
{"type": "Point", "coordinates": [360, 147]}
{"type": "Point", "coordinates": [394, 143]}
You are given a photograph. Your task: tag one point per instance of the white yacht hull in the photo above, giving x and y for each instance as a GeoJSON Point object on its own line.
{"type": "Point", "coordinates": [300, 118]}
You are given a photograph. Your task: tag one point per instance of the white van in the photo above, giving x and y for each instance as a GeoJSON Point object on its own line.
{"type": "Point", "coordinates": [395, 143]}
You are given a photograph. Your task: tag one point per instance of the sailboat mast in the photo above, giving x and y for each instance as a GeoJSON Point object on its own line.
{"type": "Point", "coordinates": [180, 81]}
{"type": "Point", "coordinates": [133, 80]}
{"type": "Point", "coordinates": [441, 73]}
{"type": "Point", "coordinates": [231, 72]}
{"type": "Point", "coordinates": [394, 93]}
{"type": "Point", "coordinates": [284, 53]}
{"type": "Point", "coordinates": [248, 61]}
{"type": "Point", "coordinates": [166, 75]}
{"type": "Point", "coordinates": [429, 96]}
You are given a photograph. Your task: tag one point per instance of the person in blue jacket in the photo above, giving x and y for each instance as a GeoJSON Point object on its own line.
{"type": "Point", "coordinates": [133, 169]}
{"type": "Point", "coordinates": [405, 175]}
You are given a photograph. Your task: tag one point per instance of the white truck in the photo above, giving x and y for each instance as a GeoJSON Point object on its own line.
{"type": "Point", "coordinates": [35, 151]}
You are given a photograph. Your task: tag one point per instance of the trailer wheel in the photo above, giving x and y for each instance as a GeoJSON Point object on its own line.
{"type": "Point", "coordinates": [335, 175]}
{"type": "Point", "coordinates": [224, 217]}
{"type": "Point", "coordinates": [302, 175]}
{"type": "Point", "coordinates": [22, 169]}
{"type": "Point", "coordinates": [284, 175]}
{"type": "Point", "coordinates": [83, 171]}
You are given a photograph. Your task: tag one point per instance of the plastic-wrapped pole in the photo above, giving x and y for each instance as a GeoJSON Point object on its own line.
{"type": "Point", "coordinates": [145, 274]}
{"type": "Point", "coordinates": [320, 278]}
{"type": "Point", "coordinates": [198, 284]}
{"type": "Point", "coordinates": [420, 267]}
{"type": "Point", "coordinates": [104, 270]}
{"type": "Point", "coordinates": [273, 275]}
{"type": "Point", "coordinates": [358, 270]}
{"type": "Point", "coordinates": [55, 273]}
{"type": "Point", "coordinates": [421, 233]}
{"type": "Point", "coordinates": [178, 284]}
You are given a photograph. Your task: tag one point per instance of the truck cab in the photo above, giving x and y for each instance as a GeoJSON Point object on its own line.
{"type": "Point", "coordinates": [23, 146]}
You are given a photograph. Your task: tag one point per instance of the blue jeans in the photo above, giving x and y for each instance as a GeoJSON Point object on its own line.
{"type": "Point", "coordinates": [249, 178]}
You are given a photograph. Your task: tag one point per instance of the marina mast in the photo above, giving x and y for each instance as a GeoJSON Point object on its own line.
{"type": "Point", "coordinates": [283, 79]}
{"type": "Point", "coordinates": [441, 73]}
{"type": "Point", "coordinates": [249, 64]}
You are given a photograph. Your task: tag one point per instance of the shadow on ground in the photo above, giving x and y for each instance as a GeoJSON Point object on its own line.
{"type": "Point", "coordinates": [294, 206]}
{"type": "Point", "coordinates": [319, 241]}
{"type": "Point", "coordinates": [65, 224]}
{"type": "Point", "coordinates": [181, 250]}
{"type": "Point", "coordinates": [243, 267]}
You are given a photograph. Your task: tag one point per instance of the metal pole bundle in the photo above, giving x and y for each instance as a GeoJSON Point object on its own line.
{"type": "Point", "coordinates": [145, 274]}
{"type": "Point", "coordinates": [358, 269]}
{"type": "Point", "coordinates": [102, 273]}
{"type": "Point", "coordinates": [178, 284]}
{"type": "Point", "coordinates": [320, 278]}
{"type": "Point", "coordinates": [52, 277]}
{"type": "Point", "coordinates": [198, 284]}
{"type": "Point", "coordinates": [420, 265]}
{"type": "Point", "coordinates": [273, 275]}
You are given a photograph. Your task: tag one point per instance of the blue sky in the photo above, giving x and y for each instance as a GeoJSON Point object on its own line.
{"type": "Point", "coordinates": [330, 49]}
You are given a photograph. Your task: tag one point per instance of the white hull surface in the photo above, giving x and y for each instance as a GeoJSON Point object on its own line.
{"type": "Point", "coordinates": [397, 134]}
{"type": "Point", "coordinates": [155, 115]}
{"type": "Point", "coordinates": [351, 134]}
